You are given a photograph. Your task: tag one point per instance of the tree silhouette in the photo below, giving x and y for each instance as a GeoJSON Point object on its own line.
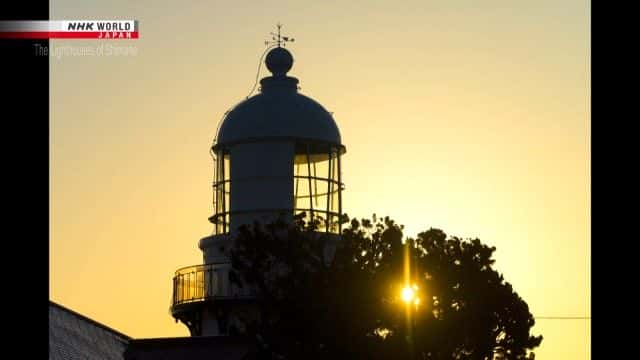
{"type": "Point", "coordinates": [321, 299]}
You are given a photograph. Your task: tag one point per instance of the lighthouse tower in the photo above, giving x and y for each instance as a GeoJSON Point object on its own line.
{"type": "Point", "coordinates": [276, 154]}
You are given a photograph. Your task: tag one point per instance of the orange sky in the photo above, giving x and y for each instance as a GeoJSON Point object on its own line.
{"type": "Point", "coordinates": [471, 118]}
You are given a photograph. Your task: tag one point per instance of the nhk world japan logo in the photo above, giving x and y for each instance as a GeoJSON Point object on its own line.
{"type": "Point", "coordinates": [70, 29]}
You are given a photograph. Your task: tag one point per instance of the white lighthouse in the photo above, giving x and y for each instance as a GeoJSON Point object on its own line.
{"type": "Point", "coordinates": [276, 154]}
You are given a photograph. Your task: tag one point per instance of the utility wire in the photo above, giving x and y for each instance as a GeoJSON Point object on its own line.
{"type": "Point", "coordinates": [253, 88]}
{"type": "Point", "coordinates": [562, 317]}
{"type": "Point", "coordinates": [259, 66]}
{"type": "Point", "coordinates": [215, 136]}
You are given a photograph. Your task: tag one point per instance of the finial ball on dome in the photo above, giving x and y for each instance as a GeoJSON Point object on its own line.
{"type": "Point", "coordinates": [279, 61]}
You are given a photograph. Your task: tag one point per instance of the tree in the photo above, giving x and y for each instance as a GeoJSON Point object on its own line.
{"type": "Point", "coordinates": [319, 299]}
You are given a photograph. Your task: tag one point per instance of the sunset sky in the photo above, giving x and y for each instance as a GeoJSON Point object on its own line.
{"type": "Point", "coordinates": [472, 117]}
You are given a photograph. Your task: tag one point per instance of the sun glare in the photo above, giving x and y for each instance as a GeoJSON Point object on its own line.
{"type": "Point", "coordinates": [408, 294]}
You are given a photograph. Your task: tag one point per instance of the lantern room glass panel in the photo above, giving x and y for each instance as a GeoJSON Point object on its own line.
{"type": "Point", "coordinates": [221, 194]}
{"type": "Point", "coordinates": [317, 185]}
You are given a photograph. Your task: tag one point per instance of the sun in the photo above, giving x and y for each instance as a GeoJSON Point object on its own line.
{"type": "Point", "coordinates": [408, 294]}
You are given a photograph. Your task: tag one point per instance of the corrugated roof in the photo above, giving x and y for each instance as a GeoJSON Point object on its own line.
{"type": "Point", "coordinates": [74, 336]}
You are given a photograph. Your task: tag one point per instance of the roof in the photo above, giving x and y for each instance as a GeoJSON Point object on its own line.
{"type": "Point", "coordinates": [74, 336]}
{"type": "Point", "coordinates": [192, 348]}
{"type": "Point", "coordinates": [279, 111]}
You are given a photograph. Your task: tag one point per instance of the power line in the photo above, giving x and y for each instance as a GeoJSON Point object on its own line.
{"type": "Point", "coordinates": [562, 317]}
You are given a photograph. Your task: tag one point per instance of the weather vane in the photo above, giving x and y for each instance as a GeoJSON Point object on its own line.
{"type": "Point", "coordinates": [277, 39]}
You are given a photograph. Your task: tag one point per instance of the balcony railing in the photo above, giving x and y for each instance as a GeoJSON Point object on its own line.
{"type": "Point", "coordinates": [205, 282]}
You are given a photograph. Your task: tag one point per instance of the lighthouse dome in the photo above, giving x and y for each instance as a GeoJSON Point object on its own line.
{"type": "Point", "coordinates": [279, 111]}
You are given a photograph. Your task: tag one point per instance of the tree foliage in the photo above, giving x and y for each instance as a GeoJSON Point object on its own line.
{"type": "Point", "coordinates": [323, 299]}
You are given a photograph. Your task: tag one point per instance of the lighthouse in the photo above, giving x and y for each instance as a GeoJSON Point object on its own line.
{"type": "Point", "coordinates": [276, 155]}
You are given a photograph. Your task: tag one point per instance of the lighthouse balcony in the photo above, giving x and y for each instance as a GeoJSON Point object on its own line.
{"type": "Point", "coordinates": [197, 284]}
